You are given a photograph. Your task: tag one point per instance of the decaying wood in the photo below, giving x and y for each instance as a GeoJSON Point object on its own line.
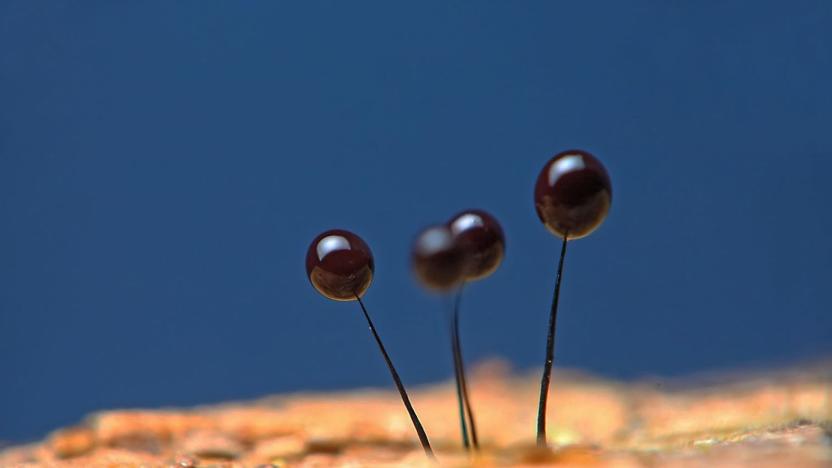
{"type": "Point", "coordinates": [778, 419]}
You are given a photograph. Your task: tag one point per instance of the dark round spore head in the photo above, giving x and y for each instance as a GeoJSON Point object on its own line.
{"type": "Point", "coordinates": [437, 259]}
{"type": "Point", "coordinates": [339, 265]}
{"type": "Point", "coordinates": [481, 239]}
{"type": "Point", "coordinates": [573, 194]}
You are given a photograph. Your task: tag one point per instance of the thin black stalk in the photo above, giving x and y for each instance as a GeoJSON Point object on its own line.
{"type": "Point", "coordinates": [460, 398]}
{"type": "Point", "coordinates": [423, 437]}
{"type": "Point", "coordinates": [550, 354]}
{"type": "Point", "coordinates": [460, 364]}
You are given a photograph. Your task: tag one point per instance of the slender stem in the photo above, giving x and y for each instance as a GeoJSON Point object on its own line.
{"type": "Point", "coordinates": [472, 427]}
{"type": "Point", "coordinates": [550, 353]}
{"type": "Point", "coordinates": [458, 377]}
{"type": "Point", "coordinates": [423, 438]}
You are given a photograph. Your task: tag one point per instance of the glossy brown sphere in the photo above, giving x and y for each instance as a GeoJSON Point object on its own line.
{"type": "Point", "coordinates": [339, 265]}
{"type": "Point", "coordinates": [481, 239]}
{"type": "Point", "coordinates": [437, 260]}
{"type": "Point", "coordinates": [573, 194]}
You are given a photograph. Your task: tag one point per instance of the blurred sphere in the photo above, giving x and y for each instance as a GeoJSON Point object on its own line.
{"type": "Point", "coordinates": [339, 265]}
{"type": "Point", "coordinates": [573, 194]}
{"type": "Point", "coordinates": [437, 260]}
{"type": "Point", "coordinates": [481, 239]}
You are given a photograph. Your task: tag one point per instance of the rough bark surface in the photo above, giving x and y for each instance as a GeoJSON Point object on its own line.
{"type": "Point", "coordinates": [781, 418]}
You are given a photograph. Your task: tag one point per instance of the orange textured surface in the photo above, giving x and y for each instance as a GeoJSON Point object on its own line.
{"type": "Point", "coordinates": [763, 419]}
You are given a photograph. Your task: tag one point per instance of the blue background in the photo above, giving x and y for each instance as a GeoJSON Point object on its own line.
{"type": "Point", "coordinates": [163, 166]}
